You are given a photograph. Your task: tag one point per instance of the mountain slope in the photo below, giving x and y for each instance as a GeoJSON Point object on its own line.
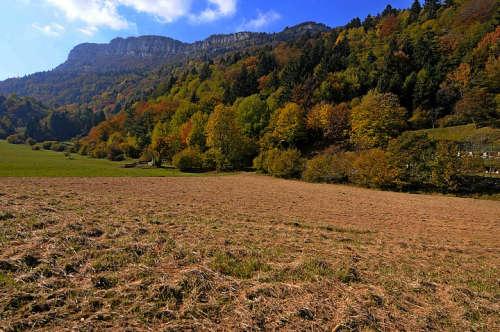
{"type": "Point", "coordinates": [92, 68]}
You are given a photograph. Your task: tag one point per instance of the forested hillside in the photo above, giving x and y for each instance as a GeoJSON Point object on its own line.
{"type": "Point", "coordinates": [338, 105]}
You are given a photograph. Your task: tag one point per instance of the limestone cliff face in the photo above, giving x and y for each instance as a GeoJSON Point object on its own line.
{"type": "Point", "coordinates": [123, 53]}
{"type": "Point", "coordinates": [140, 47]}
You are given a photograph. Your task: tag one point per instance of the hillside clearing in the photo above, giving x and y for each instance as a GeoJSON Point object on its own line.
{"type": "Point", "coordinates": [466, 133]}
{"type": "Point", "coordinates": [243, 252]}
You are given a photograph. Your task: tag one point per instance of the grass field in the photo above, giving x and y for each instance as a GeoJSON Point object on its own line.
{"type": "Point", "coordinates": [466, 133]}
{"type": "Point", "coordinates": [243, 253]}
{"type": "Point", "coordinates": [21, 161]}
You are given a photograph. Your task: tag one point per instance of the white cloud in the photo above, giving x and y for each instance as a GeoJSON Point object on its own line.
{"type": "Point", "coordinates": [94, 13]}
{"type": "Point", "coordinates": [52, 29]}
{"type": "Point", "coordinates": [165, 10]}
{"type": "Point", "coordinates": [262, 20]}
{"type": "Point", "coordinates": [217, 9]}
{"type": "Point", "coordinates": [104, 13]}
{"type": "Point", "coordinates": [88, 30]}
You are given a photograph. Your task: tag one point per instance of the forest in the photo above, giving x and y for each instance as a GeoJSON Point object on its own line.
{"type": "Point", "coordinates": [349, 105]}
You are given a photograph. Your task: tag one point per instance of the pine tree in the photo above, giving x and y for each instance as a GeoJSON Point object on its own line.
{"type": "Point", "coordinates": [415, 10]}
{"type": "Point", "coordinates": [431, 7]}
{"type": "Point", "coordinates": [205, 72]}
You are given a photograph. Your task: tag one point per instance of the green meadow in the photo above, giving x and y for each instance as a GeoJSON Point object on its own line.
{"type": "Point", "coordinates": [22, 161]}
{"type": "Point", "coordinates": [465, 133]}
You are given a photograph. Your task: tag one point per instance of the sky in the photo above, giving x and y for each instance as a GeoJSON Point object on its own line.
{"type": "Point", "coordinates": [37, 35]}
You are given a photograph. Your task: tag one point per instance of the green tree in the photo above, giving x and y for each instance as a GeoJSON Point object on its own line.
{"type": "Point", "coordinates": [447, 166]}
{"type": "Point", "coordinates": [286, 163]}
{"type": "Point", "coordinates": [410, 156]}
{"type": "Point", "coordinates": [423, 93]}
{"type": "Point", "coordinates": [159, 143]}
{"type": "Point", "coordinates": [197, 135]}
{"type": "Point", "coordinates": [205, 72]}
{"type": "Point", "coordinates": [225, 138]}
{"type": "Point", "coordinates": [253, 115]}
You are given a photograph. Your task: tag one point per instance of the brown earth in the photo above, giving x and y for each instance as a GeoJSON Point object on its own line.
{"type": "Point", "coordinates": [243, 252]}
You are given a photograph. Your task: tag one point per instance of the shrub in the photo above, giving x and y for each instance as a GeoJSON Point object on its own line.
{"type": "Point", "coordinates": [46, 145]}
{"type": "Point", "coordinates": [327, 168]}
{"type": "Point", "coordinates": [210, 158]}
{"type": "Point", "coordinates": [189, 159]}
{"type": "Point", "coordinates": [409, 156]}
{"type": "Point", "coordinates": [114, 153]}
{"type": "Point", "coordinates": [30, 141]}
{"type": "Point", "coordinates": [146, 156]}
{"type": "Point", "coordinates": [15, 139]}
{"type": "Point", "coordinates": [446, 167]}
{"type": "Point", "coordinates": [83, 150]}
{"type": "Point", "coordinates": [99, 151]}
{"type": "Point", "coordinates": [318, 169]}
{"type": "Point", "coordinates": [371, 169]}
{"type": "Point", "coordinates": [280, 163]}
{"type": "Point", "coordinates": [58, 147]}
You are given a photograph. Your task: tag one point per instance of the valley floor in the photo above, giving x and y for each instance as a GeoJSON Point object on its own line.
{"type": "Point", "coordinates": [243, 252]}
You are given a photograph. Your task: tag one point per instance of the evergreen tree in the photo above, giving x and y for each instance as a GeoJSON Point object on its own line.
{"type": "Point", "coordinates": [430, 8]}
{"type": "Point", "coordinates": [355, 23]}
{"type": "Point", "coordinates": [369, 23]}
{"type": "Point", "coordinates": [415, 10]}
{"type": "Point", "coordinates": [205, 72]}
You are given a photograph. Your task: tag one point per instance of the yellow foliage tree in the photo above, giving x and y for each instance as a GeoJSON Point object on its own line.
{"type": "Point", "coordinates": [376, 120]}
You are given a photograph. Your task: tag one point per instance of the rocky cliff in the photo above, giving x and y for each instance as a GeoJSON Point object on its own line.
{"type": "Point", "coordinates": [148, 51]}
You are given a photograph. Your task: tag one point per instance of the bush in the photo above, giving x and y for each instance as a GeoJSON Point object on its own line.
{"type": "Point", "coordinates": [371, 169]}
{"type": "Point", "coordinates": [211, 160]}
{"type": "Point", "coordinates": [30, 141]}
{"type": "Point", "coordinates": [318, 169]}
{"type": "Point", "coordinates": [280, 163]}
{"type": "Point", "coordinates": [36, 147]}
{"type": "Point", "coordinates": [146, 156]}
{"type": "Point", "coordinates": [409, 156]}
{"type": "Point", "coordinates": [188, 160]}
{"type": "Point", "coordinates": [114, 153]}
{"type": "Point", "coordinates": [447, 167]}
{"type": "Point", "coordinates": [327, 168]}
{"type": "Point", "coordinates": [99, 151]}
{"type": "Point", "coordinates": [83, 150]}
{"type": "Point", "coordinates": [46, 145]}
{"type": "Point", "coordinates": [58, 147]}
{"type": "Point", "coordinates": [16, 139]}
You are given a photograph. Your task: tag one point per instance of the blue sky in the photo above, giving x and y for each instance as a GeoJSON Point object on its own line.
{"type": "Point", "coordinates": [36, 35]}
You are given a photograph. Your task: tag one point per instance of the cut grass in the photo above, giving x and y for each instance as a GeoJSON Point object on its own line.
{"type": "Point", "coordinates": [21, 161]}
{"type": "Point", "coordinates": [244, 252]}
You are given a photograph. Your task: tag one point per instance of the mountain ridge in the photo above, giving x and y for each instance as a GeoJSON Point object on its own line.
{"type": "Point", "coordinates": [155, 49]}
